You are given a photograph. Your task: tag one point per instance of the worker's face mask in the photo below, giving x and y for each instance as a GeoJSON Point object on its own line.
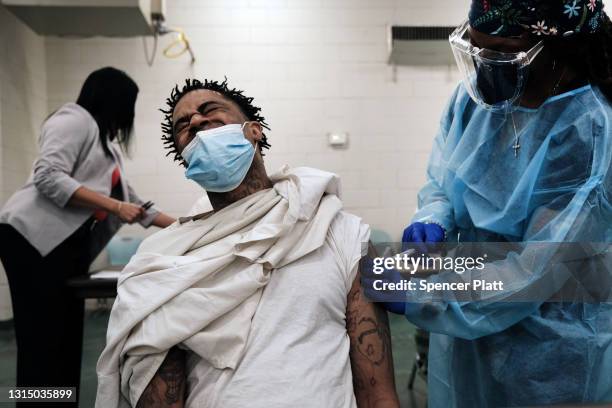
{"type": "Point", "coordinates": [219, 158]}
{"type": "Point", "coordinates": [495, 85]}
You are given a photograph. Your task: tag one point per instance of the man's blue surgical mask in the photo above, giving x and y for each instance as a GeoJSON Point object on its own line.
{"type": "Point", "coordinates": [219, 158]}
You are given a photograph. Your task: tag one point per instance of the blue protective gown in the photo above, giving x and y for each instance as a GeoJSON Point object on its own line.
{"type": "Point", "coordinates": [558, 189]}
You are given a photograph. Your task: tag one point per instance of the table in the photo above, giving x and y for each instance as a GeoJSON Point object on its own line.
{"type": "Point", "coordinates": [86, 288]}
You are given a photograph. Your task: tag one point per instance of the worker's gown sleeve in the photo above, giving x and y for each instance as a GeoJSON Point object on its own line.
{"type": "Point", "coordinates": [513, 347]}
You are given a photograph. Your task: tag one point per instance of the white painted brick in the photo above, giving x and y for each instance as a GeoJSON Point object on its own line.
{"type": "Point", "coordinates": [230, 4]}
{"type": "Point", "coordinates": [333, 162]}
{"type": "Point", "coordinates": [142, 166]}
{"type": "Point", "coordinates": [196, 15]}
{"type": "Point", "coordinates": [298, 54]}
{"type": "Point", "coordinates": [364, 17]}
{"type": "Point", "coordinates": [72, 55]}
{"type": "Point", "coordinates": [412, 179]}
{"type": "Point", "coordinates": [294, 17]}
{"type": "Point", "coordinates": [364, 53]}
{"type": "Point", "coordinates": [6, 306]}
{"type": "Point", "coordinates": [401, 197]}
{"type": "Point", "coordinates": [273, 161]}
{"type": "Point", "coordinates": [3, 278]}
{"type": "Point", "coordinates": [176, 202]}
{"type": "Point", "coordinates": [242, 16]}
{"type": "Point", "coordinates": [380, 179]}
{"type": "Point", "coordinates": [434, 88]}
{"type": "Point", "coordinates": [254, 54]}
{"type": "Point", "coordinates": [216, 35]}
{"type": "Point", "coordinates": [301, 4]}
{"type": "Point", "coordinates": [268, 3]}
{"type": "Point", "coordinates": [349, 180]}
{"type": "Point", "coordinates": [305, 89]}
{"type": "Point", "coordinates": [360, 3]}
{"type": "Point", "coordinates": [362, 198]}
{"type": "Point", "coordinates": [286, 35]}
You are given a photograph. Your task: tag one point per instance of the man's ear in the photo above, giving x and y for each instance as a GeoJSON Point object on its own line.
{"type": "Point", "coordinates": [254, 131]}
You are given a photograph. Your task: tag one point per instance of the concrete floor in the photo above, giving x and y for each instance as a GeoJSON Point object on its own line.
{"type": "Point", "coordinates": [95, 331]}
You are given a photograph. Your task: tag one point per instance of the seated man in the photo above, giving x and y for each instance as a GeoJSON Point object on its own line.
{"type": "Point", "coordinates": [256, 303]}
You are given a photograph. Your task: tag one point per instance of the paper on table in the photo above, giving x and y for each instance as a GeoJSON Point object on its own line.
{"type": "Point", "coordinates": [105, 275]}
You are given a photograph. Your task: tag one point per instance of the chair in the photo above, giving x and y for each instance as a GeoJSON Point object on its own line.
{"type": "Point", "coordinates": [421, 338]}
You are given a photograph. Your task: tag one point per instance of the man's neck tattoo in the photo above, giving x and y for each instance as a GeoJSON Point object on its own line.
{"type": "Point", "coordinates": [255, 180]}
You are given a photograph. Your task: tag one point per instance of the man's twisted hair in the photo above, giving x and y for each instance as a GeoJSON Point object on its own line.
{"type": "Point", "coordinates": [245, 103]}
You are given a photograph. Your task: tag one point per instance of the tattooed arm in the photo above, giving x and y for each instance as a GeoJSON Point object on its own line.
{"type": "Point", "coordinates": [167, 387]}
{"type": "Point", "coordinates": [370, 352]}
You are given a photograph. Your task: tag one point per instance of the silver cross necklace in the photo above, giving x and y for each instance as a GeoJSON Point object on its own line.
{"type": "Point", "coordinates": [517, 138]}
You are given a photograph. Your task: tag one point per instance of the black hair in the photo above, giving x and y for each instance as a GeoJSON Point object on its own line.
{"type": "Point", "coordinates": [109, 95]}
{"type": "Point", "coordinates": [590, 55]}
{"type": "Point", "coordinates": [245, 103]}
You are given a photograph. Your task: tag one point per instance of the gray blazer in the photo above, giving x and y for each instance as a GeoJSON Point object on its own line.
{"type": "Point", "coordinates": [71, 155]}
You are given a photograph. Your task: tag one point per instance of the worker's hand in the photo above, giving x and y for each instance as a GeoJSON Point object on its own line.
{"type": "Point", "coordinates": [129, 212]}
{"type": "Point", "coordinates": [421, 234]}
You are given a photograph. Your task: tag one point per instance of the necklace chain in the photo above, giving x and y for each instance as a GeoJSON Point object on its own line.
{"type": "Point", "coordinates": [517, 146]}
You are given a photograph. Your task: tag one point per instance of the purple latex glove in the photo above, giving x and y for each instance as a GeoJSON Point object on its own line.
{"type": "Point", "coordinates": [422, 233]}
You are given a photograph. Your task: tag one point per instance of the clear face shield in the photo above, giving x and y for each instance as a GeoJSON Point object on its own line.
{"type": "Point", "coordinates": [495, 80]}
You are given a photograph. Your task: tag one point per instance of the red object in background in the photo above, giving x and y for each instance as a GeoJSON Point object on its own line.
{"type": "Point", "coordinates": [100, 215]}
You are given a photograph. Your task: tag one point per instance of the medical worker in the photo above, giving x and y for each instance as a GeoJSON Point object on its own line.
{"type": "Point", "coordinates": [51, 229]}
{"type": "Point", "coordinates": [522, 155]}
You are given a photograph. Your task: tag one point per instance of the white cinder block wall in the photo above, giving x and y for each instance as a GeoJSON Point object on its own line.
{"type": "Point", "coordinates": [23, 107]}
{"type": "Point", "coordinates": [314, 66]}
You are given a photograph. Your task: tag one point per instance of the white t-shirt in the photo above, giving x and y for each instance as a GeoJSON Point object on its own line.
{"type": "Point", "coordinates": [297, 353]}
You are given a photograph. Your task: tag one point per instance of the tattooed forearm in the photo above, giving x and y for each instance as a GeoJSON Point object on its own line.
{"type": "Point", "coordinates": [385, 333]}
{"type": "Point", "coordinates": [372, 341]}
{"type": "Point", "coordinates": [370, 351]}
{"type": "Point", "coordinates": [167, 388]}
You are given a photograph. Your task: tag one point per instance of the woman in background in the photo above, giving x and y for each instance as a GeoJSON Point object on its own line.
{"type": "Point", "coordinates": [52, 229]}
